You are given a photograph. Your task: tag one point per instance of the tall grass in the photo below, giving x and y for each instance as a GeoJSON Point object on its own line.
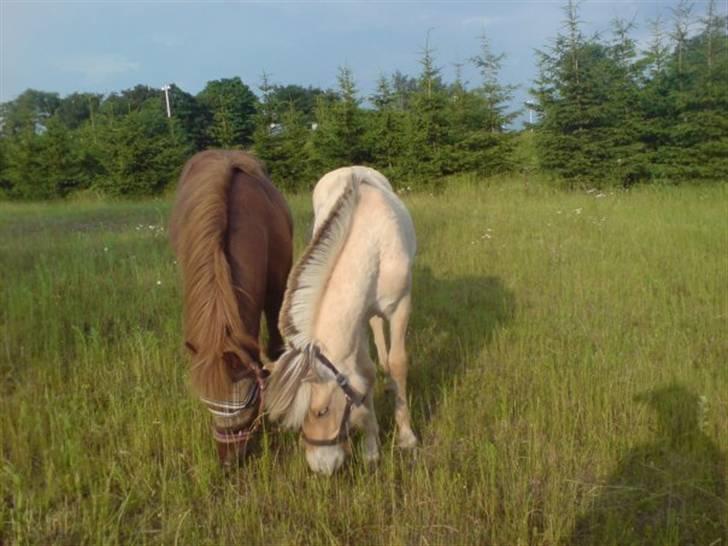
{"type": "Point", "coordinates": [568, 382]}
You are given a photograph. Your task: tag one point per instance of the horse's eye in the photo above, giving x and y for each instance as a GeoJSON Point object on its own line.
{"type": "Point", "coordinates": [322, 412]}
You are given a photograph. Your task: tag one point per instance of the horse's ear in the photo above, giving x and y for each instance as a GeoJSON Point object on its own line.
{"type": "Point", "coordinates": [236, 370]}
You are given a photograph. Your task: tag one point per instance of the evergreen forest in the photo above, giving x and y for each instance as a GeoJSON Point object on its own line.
{"type": "Point", "coordinates": [607, 114]}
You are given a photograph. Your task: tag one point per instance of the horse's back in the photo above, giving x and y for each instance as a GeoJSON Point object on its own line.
{"type": "Point", "coordinates": [256, 199]}
{"type": "Point", "coordinates": [381, 244]}
{"type": "Point", "coordinates": [259, 240]}
{"type": "Point", "coordinates": [383, 204]}
{"type": "Point", "coordinates": [385, 226]}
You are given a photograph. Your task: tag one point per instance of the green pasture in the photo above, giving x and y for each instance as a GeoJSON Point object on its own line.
{"type": "Point", "coordinates": [568, 382]}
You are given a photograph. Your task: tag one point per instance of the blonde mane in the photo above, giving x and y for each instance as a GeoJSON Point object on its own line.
{"type": "Point", "coordinates": [198, 225]}
{"type": "Point", "coordinates": [288, 395]}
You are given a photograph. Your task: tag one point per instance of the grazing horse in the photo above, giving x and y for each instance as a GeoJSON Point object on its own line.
{"type": "Point", "coordinates": [357, 269]}
{"type": "Point", "coordinates": [232, 233]}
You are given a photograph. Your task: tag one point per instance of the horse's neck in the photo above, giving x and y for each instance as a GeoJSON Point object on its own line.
{"type": "Point", "coordinates": [340, 324]}
{"type": "Point", "coordinates": [341, 318]}
{"type": "Point", "coordinates": [340, 332]}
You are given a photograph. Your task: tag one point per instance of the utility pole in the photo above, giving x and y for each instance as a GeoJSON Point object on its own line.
{"type": "Point", "coordinates": [166, 89]}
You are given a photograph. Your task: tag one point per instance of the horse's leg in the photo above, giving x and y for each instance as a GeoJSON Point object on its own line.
{"type": "Point", "coordinates": [377, 325]}
{"type": "Point", "coordinates": [368, 419]}
{"type": "Point", "coordinates": [273, 304]}
{"type": "Point", "coordinates": [371, 430]}
{"type": "Point", "coordinates": [398, 370]}
{"type": "Point", "coordinates": [278, 269]}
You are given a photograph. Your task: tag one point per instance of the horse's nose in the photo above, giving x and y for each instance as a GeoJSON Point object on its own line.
{"type": "Point", "coordinates": [326, 459]}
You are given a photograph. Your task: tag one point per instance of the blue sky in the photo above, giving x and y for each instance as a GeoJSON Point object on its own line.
{"type": "Point", "coordinates": [108, 46]}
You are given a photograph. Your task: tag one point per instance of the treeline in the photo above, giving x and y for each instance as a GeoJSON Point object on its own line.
{"type": "Point", "coordinates": [608, 114]}
{"type": "Point", "coordinates": [416, 129]}
{"type": "Point", "coordinates": [605, 115]}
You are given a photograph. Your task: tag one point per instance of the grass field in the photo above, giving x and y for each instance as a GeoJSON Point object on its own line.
{"type": "Point", "coordinates": [568, 382]}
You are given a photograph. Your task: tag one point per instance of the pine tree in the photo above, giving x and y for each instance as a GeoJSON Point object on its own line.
{"type": "Point", "coordinates": [24, 172]}
{"type": "Point", "coordinates": [587, 95]}
{"type": "Point", "coordinates": [232, 107]}
{"type": "Point", "coordinates": [383, 137]}
{"type": "Point", "coordinates": [491, 143]}
{"type": "Point", "coordinates": [426, 126]}
{"type": "Point", "coordinates": [496, 95]}
{"type": "Point", "coordinates": [624, 118]}
{"type": "Point", "coordinates": [339, 137]}
{"type": "Point", "coordinates": [655, 104]}
{"type": "Point", "coordinates": [700, 136]}
{"type": "Point", "coordinates": [403, 88]}
{"type": "Point", "coordinates": [142, 152]}
{"type": "Point", "coordinates": [265, 143]}
{"type": "Point", "coordinates": [192, 115]}
{"type": "Point", "coordinates": [293, 171]}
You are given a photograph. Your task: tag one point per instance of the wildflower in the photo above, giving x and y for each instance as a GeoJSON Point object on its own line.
{"type": "Point", "coordinates": [159, 283]}
{"type": "Point", "coordinates": [106, 249]}
{"type": "Point", "coordinates": [577, 211]}
{"type": "Point", "coordinates": [558, 212]}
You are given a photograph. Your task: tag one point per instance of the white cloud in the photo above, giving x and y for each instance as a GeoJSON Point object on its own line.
{"type": "Point", "coordinates": [99, 68]}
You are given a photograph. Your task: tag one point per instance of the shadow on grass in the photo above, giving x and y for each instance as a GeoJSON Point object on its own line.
{"type": "Point", "coordinates": [668, 491]}
{"type": "Point", "coordinates": [452, 320]}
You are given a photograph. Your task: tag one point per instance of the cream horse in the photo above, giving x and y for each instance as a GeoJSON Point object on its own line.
{"type": "Point", "coordinates": [357, 269]}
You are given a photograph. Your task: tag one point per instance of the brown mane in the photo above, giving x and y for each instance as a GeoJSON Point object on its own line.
{"type": "Point", "coordinates": [198, 227]}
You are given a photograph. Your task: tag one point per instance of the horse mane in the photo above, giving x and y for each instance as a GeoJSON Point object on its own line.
{"type": "Point", "coordinates": [287, 392]}
{"type": "Point", "coordinates": [198, 228]}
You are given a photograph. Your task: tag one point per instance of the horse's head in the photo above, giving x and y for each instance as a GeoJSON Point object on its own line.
{"type": "Point", "coordinates": [236, 412]}
{"type": "Point", "coordinates": [311, 393]}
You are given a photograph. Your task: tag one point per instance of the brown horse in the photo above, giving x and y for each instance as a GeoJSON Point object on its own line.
{"type": "Point", "coordinates": [232, 233]}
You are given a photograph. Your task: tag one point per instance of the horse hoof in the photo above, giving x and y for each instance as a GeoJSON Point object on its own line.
{"type": "Point", "coordinates": [407, 440]}
{"type": "Point", "coordinates": [371, 458]}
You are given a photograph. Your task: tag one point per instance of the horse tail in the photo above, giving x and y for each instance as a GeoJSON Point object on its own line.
{"type": "Point", "coordinates": [198, 229]}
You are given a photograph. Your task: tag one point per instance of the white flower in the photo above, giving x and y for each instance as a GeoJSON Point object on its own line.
{"type": "Point", "coordinates": [577, 211]}
{"type": "Point", "coordinates": [159, 283]}
{"type": "Point", "coordinates": [106, 249]}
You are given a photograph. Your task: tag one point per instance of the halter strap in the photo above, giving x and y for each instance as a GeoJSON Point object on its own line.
{"type": "Point", "coordinates": [240, 434]}
{"type": "Point", "coordinates": [350, 392]}
{"type": "Point", "coordinates": [353, 398]}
